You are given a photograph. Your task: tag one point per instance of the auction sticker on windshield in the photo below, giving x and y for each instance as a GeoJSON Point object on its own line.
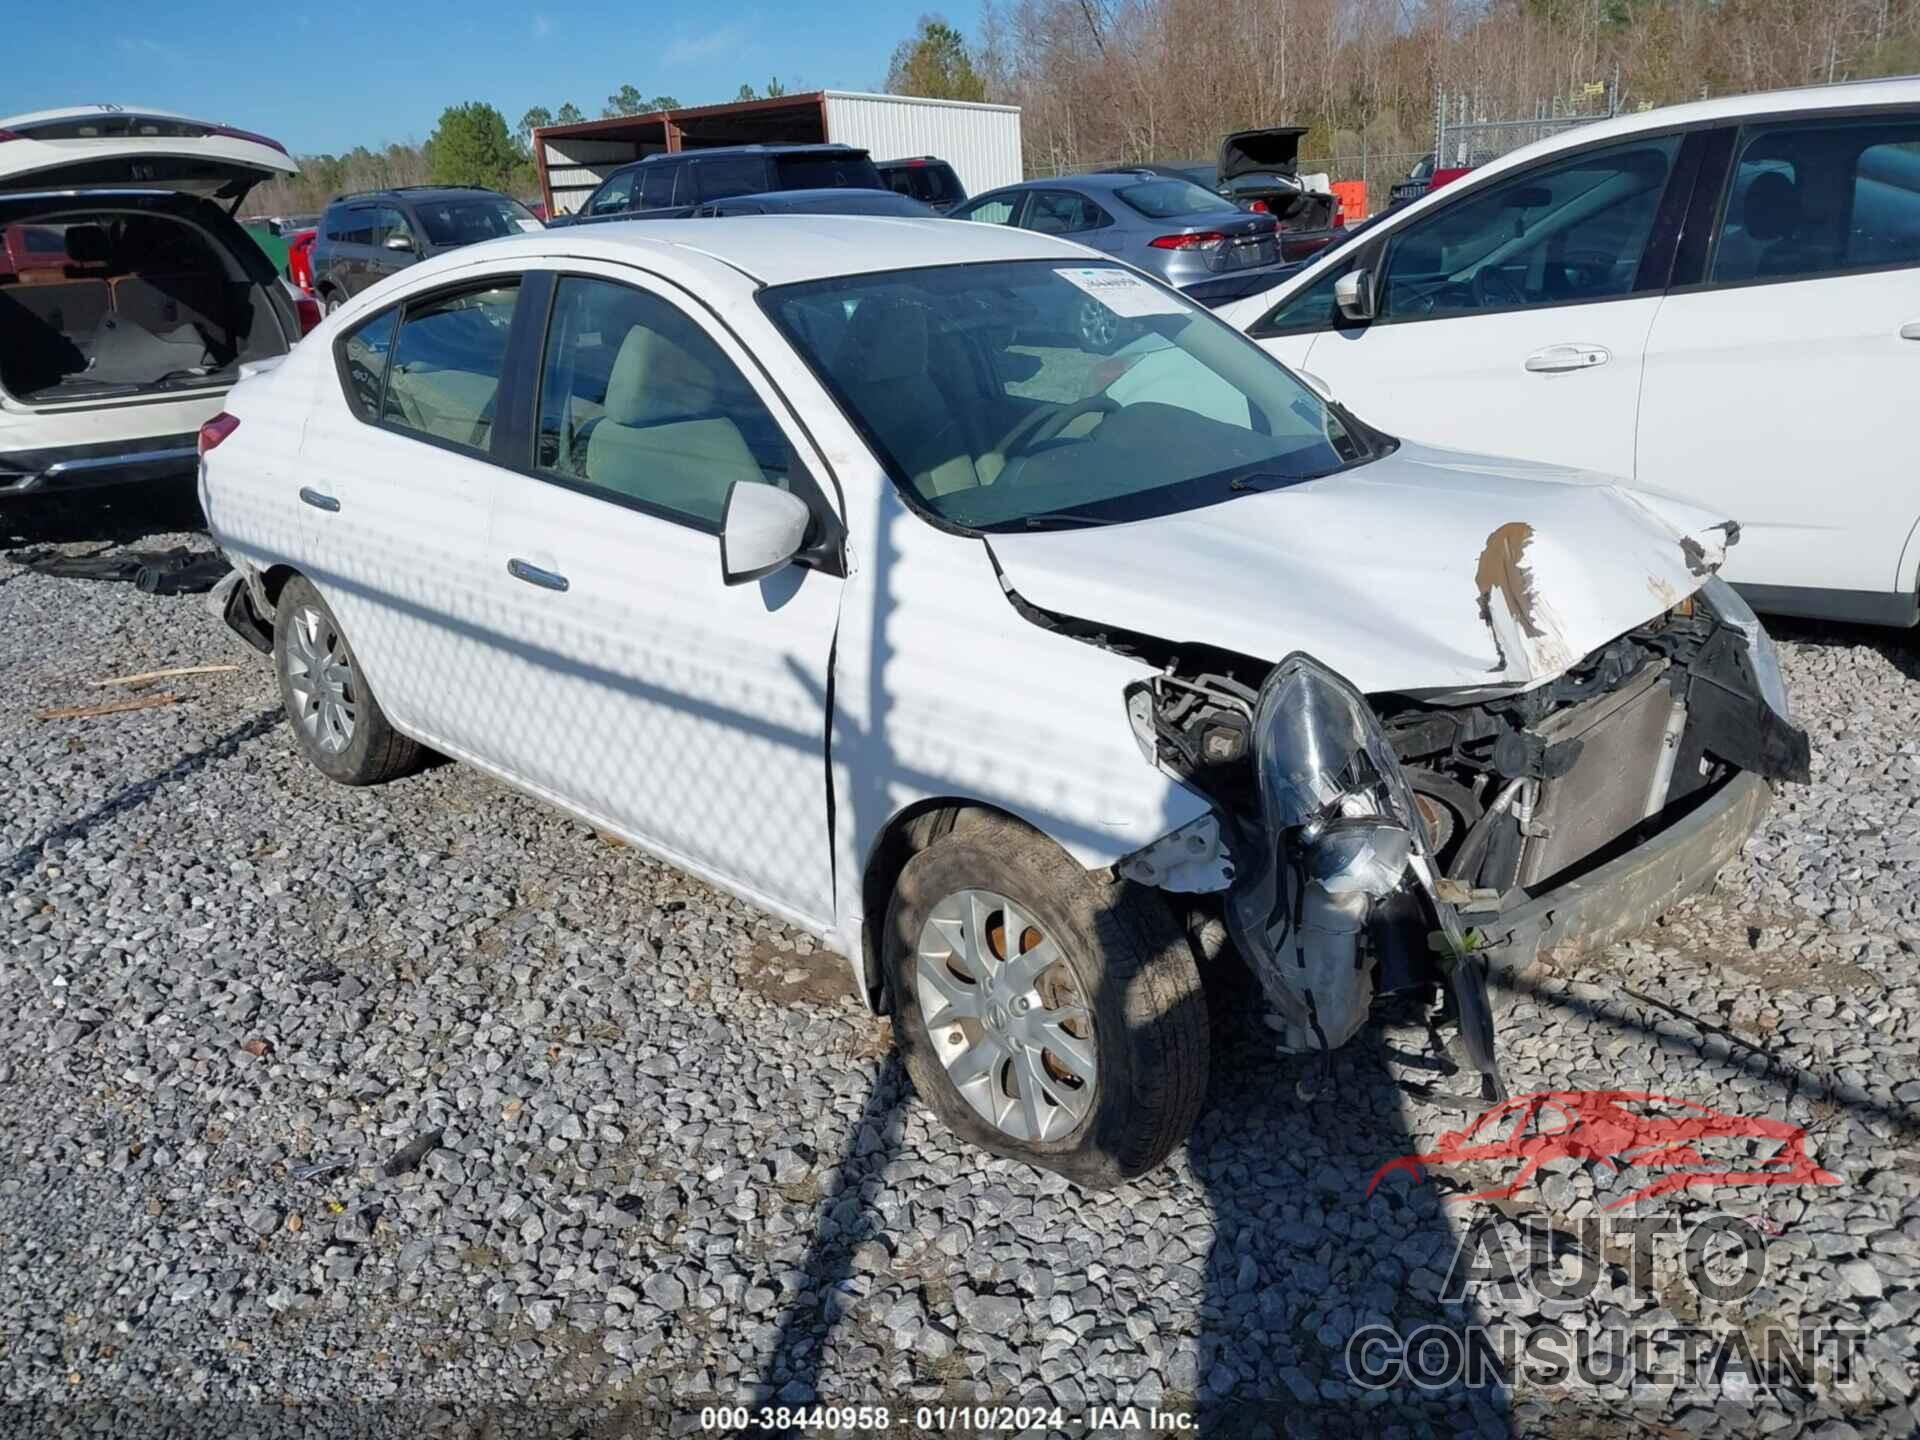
{"type": "Point", "coordinates": [1124, 294]}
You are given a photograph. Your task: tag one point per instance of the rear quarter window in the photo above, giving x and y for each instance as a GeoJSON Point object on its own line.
{"type": "Point", "coordinates": [363, 362]}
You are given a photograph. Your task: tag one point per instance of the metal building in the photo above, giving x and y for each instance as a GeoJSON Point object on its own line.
{"type": "Point", "coordinates": [981, 142]}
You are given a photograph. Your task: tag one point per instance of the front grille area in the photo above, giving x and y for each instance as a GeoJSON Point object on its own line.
{"type": "Point", "coordinates": [1619, 777]}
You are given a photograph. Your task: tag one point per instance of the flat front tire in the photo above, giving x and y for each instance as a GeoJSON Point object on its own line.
{"type": "Point", "coordinates": [336, 719]}
{"type": "Point", "coordinates": [1043, 1013]}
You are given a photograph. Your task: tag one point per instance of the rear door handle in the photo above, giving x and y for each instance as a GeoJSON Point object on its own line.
{"type": "Point", "coordinates": [1910, 330]}
{"type": "Point", "coordinates": [319, 502]}
{"type": "Point", "coordinates": [1557, 359]}
{"type": "Point", "coordinates": [534, 575]}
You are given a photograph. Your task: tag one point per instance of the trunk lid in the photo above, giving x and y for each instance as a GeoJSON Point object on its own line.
{"type": "Point", "coordinates": [1250, 241]}
{"type": "Point", "coordinates": [1271, 151]}
{"type": "Point", "coordinates": [107, 147]}
{"type": "Point", "coordinates": [1425, 571]}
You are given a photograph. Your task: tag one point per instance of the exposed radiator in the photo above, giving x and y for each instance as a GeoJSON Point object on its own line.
{"type": "Point", "coordinates": [1629, 738]}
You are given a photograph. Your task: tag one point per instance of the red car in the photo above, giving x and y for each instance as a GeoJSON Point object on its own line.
{"type": "Point", "coordinates": [300, 260]}
{"type": "Point", "coordinates": [26, 248]}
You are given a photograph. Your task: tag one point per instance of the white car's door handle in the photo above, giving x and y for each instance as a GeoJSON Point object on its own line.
{"type": "Point", "coordinates": [1910, 330]}
{"type": "Point", "coordinates": [1556, 359]}
{"type": "Point", "coordinates": [319, 502]}
{"type": "Point", "coordinates": [534, 575]}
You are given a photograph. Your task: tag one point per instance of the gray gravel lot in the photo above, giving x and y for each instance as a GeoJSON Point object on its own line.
{"type": "Point", "coordinates": [423, 1109]}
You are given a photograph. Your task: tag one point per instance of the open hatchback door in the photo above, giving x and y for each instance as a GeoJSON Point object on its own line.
{"type": "Point", "coordinates": [95, 147]}
{"type": "Point", "coordinates": [144, 300]}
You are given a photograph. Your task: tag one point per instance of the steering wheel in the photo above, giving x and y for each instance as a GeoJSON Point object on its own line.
{"type": "Point", "coordinates": [1044, 425]}
{"type": "Point", "coordinates": [1493, 288]}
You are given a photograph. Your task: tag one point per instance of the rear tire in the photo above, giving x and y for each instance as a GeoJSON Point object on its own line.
{"type": "Point", "coordinates": [1113, 1030]}
{"type": "Point", "coordinates": [335, 717]}
{"type": "Point", "coordinates": [331, 300]}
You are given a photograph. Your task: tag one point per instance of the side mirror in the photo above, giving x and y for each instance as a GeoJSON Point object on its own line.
{"type": "Point", "coordinates": [1353, 295]}
{"type": "Point", "coordinates": [399, 242]}
{"type": "Point", "coordinates": [762, 528]}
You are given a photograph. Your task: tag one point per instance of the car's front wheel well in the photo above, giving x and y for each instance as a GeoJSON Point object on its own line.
{"type": "Point", "coordinates": [274, 579]}
{"type": "Point", "coordinates": [905, 836]}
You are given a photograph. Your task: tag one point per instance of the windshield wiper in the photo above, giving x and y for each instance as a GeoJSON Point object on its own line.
{"type": "Point", "coordinates": [1061, 517]}
{"type": "Point", "coordinates": [1246, 483]}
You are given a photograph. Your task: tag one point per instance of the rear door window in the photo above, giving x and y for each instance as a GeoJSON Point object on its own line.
{"type": "Point", "coordinates": [1821, 198]}
{"type": "Point", "coordinates": [718, 179]}
{"type": "Point", "coordinates": [446, 362]}
{"type": "Point", "coordinates": [656, 184]}
{"type": "Point", "coordinates": [363, 362]}
{"type": "Point", "coordinates": [826, 172]}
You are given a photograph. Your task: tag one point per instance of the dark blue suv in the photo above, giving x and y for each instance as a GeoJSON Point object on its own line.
{"type": "Point", "coordinates": [666, 187]}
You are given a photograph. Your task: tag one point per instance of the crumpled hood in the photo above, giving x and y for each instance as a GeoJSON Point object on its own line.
{"type": "Point", "coordinates": [1427, 570]}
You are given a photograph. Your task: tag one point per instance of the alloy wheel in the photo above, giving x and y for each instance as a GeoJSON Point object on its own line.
{"type": "Point", "coordinates": [1006, 1016]}
{"type": "Point", "coordinates": [320, 674]}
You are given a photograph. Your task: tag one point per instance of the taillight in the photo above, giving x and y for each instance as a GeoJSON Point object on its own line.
{"type": "Point", "coordinates": [1187, 242]}
{"type": "Point", "coordinates": [6, 135]}
{"type": "Point", "coordinates": [216, 430]}
{"type": "Point", "coordinates": [308, 309]}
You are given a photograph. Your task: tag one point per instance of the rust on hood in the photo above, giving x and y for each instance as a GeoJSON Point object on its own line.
{"type": "Point", "coordinates": [1503, 567]}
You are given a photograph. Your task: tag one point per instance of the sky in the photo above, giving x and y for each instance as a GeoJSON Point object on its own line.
{"type": "Point", "coordinates": [324, 77]}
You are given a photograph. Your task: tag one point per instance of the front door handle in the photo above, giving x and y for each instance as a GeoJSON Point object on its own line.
{"type": "Point", "coordinates": [1558, 359]}
{"type": "Point", "coordinates": [319, 502]}
{"type": "Point", "coordinates": [1910, 330]}
{"type": "Point", "coordinates": [534, 575]}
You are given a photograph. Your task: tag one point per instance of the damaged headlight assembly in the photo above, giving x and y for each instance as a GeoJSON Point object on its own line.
{"type": "Point", "coordinates": [1343, 839]}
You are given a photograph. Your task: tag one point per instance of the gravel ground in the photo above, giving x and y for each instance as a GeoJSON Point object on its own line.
{"type": "Point", "coordinates": [423, 1109]}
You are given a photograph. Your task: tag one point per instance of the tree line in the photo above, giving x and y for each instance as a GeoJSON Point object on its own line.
{"type": "Point", "coordinates": [1100, 81]}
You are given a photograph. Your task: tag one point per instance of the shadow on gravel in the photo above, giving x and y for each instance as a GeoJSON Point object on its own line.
{"type": "Point", "coordinates": [110, 517]}
{"type": "Point", "coordinates": [137, 794]}
{"type": "Point", "coordinates": [1303, 1259]}
{"type": "Point", "coordinates": [843, 1223]}
{"type": "Point", "coordinates": [1900, 647]}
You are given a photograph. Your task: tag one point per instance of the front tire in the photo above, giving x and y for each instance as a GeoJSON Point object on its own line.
{"type": "Point", "coordinates": [1043, 1014]}
{"type": "Point", "coordinates": [339, 724]}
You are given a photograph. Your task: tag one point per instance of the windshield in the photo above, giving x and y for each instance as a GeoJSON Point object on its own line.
{"type": "Point", "coordinates": [1160, 199]}
{"type": "Point", "coordinates": [1028, 394]}
{"type": "Point", "coordinates": [479, 217]}
{"type": "Point", "coordinates": [935, 184]}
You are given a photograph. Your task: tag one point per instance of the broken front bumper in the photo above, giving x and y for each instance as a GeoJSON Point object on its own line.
{"type": "Point", "coordinates": [1626, 893]}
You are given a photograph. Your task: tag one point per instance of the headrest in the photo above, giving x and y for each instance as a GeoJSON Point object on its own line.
{"type": "Point", "coordinates": [88, 244]}
{"type": "Point", "coordinates": [1773, 207]}
{"type": "Point", "coordinates": [886, 341]}
{"type": "Point", "coordinates": [655, 379]}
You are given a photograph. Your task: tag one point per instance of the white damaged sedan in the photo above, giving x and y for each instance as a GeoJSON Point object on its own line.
{"type": "Point", "coordinates": [823, 559]}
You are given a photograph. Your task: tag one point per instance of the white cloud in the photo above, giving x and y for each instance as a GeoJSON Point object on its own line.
{"type": "Point", "coordinates": [688, 49]}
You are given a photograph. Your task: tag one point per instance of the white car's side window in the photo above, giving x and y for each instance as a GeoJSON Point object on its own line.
{"type": "Point", "coordinates": [639, 406]}
{"type": "Point", "coordinates": [1821, 198]}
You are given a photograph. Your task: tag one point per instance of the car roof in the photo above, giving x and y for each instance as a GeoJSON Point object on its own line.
{"type": "Point", "coordinates": [819, 193]}
{"type": "Point", "coordinates": [407, 192]}
{"type": "Point", "coordinates": [813, 148]}
{"type": "Point", "coordinates": [779, 249]}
